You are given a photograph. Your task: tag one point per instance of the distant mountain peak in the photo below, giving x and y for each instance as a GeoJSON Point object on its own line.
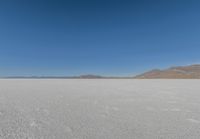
{"type": "Point", "coordinates": [177, 72]}
{"type": "Point", "coordinates": [90, 76]}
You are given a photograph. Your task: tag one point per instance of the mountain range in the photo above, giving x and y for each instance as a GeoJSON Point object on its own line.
{"type": "Point", "coordinates": [179, 72]}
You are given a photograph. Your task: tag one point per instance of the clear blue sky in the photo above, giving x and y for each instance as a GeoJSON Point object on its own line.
{"type": "Point", "coordinates": [107, 37]}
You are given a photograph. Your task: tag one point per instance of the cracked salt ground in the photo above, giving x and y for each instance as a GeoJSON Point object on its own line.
{"type": "Point", "coordinates": [172, 110]}
{"type": "Point", "coordinates": [1, 113]}
{"type": "Point", "coordinates": [33, 124]}
{"type": "Point", "coordinates": [96, 109]}
{"type": "Point", "coordinates": [193, 121]}
{"type": "Point", "coordinates": [172, 102]}
{"type": "Point", "coordinates": [151, 109]}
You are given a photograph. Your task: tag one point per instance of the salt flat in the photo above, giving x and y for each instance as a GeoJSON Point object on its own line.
{"type": "Point", "coordinates": [99, 109]}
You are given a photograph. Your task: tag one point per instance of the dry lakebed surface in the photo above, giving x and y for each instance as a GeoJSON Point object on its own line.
{"type": "Point", "coordinates": [99, 109]}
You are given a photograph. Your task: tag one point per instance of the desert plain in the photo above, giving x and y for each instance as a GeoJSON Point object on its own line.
{"type": "Point", "coordinates": [99, 109]}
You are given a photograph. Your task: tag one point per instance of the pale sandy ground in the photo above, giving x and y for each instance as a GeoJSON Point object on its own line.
{"type": "Point", "coordinates": [99, 109]}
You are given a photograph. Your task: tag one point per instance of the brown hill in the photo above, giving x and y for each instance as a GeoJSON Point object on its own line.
{"type": "Point", "coordinates": [181, 72]}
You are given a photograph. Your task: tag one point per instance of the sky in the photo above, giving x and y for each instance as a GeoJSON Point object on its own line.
{"type": "Point", "coordinates": [105, 37]}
